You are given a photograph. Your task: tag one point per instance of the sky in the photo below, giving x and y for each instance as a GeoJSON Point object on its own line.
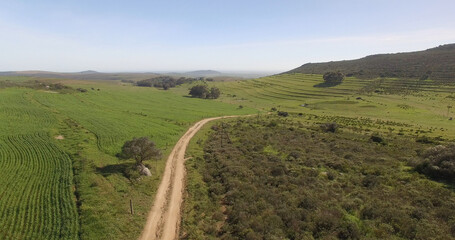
{"type": "Point", "coordinates": [234, 35]}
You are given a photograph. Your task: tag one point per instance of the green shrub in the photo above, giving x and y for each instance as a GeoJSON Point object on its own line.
{"type": "Point", "coordinates": [438, 162]}
{"type": "Point", "coordinates": [329, 127]}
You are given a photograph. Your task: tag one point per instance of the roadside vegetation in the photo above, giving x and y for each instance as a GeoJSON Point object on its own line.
{"type": "Point", "coordinates": [275, 177]}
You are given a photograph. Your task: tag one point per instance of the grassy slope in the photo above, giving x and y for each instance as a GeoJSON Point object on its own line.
{"type": "Point", "coordinates": [423, 110]}
{"type": "Point", "coordinates": [95, 124]}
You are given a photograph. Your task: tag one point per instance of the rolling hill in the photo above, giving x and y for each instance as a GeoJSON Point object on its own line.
{"type": "Point", "coordinates": [436, 63]}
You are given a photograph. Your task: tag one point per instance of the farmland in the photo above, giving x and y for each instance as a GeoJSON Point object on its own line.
{"type": "Point", "coordinates": [75, 187]}
{"type": "Point", "coordinates": [36, 197]}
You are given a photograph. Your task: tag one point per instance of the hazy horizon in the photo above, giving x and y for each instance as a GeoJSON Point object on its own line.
{"type": "Point", "coordinates": [235, 36]}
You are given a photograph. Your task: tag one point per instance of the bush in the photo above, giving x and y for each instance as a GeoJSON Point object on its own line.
{"type": "Point", "coordinates": [82, 90]}
{"type": "Point", "coordinates": [329, 127]}
{"type": "Point", "coordinates": [439, 162]}
{"type": "Point", "coordinates": [376, 138]}
{"type": "Point", "coordinates": [283, 114]}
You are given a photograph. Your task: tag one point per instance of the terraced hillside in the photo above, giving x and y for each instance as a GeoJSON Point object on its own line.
{"type": "Point", "coordinates": [74, 186]}
{"type": "Point", "coordinates": [435, 63]}
{"type": "Point", "coordinates": [419, 105]}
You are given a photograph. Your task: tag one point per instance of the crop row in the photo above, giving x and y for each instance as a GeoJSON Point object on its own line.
{"type": "Point", "coordinates": [36, 198]}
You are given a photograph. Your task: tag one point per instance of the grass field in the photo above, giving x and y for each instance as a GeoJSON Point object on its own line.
{"type": "Point", "coordinates": [46, 179]}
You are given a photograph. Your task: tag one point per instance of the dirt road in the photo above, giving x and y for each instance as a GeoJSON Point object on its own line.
{"type": "Point", "coordinates": [163, 221]}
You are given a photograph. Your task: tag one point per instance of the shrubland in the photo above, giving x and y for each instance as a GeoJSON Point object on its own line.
{"type": "Point", "coordinates": [281, 178]}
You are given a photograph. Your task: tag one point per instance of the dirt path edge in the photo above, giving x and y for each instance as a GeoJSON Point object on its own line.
{"type": "Point", "coordinates": [163, 221]}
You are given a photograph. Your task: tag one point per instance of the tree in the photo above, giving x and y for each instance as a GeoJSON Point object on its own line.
{"type": "Point", "coordinates": [333, 78]}
{"type": "Point", "coordinates": [215, 93]}
{"type": "Point", "coordinates": [141, 149]}
{"type": "Point", "coordinates": [199, 91]}
{"type": "Point", "coordinates": [202, 91]}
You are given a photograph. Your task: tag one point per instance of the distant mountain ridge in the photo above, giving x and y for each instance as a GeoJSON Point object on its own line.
{"type": "Point", "coordinates": [84, 75]}
{"type": "Point", "coordinates": [204, 72]}
{"type": "Point", "coordinates": [435, 63]}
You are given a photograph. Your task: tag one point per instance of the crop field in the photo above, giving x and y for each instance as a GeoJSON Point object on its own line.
{"type": "Point", "coordinates": [36, 198]}
{"type": "Point", "coordinates": [74, 186]}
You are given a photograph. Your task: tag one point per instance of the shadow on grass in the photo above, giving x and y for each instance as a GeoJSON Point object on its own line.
{"type": "Point", "coordinates": [326, 84]}
{"type": "Point", "coordinates": [113, 169]}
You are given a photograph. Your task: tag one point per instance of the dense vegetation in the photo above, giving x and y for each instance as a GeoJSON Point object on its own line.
{"type": "Point", "coordinates": [276, 178]}
{"type": "Point", "coordinates": [435, 63]}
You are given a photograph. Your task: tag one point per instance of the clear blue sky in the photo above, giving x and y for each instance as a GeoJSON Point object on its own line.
{"type": "Point", "coordinates": [230, 35]}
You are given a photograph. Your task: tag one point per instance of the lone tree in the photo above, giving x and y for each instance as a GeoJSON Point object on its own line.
{"type": "Point", "coordinates": [333, 78]}
{"type": "Point", "coordinates": [214, 93]}
{"type": "Point", "coordinates": [141, 149]}
{"type": "Point", "coordinates": [199, 91]}
{"type": "Point", "coordinates": [202, 91]}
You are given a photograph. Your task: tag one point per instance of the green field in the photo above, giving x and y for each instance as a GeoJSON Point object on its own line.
{"type": "Point", "coordinates": [76, 187]}
{"type": "Point", "coordinates": [45, 179]}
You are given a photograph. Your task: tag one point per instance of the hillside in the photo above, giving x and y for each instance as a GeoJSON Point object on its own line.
{"type": "Point", "coordinates": [436, 63]}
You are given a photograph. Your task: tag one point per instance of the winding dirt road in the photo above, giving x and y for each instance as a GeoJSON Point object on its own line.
{"type": "Point", "coordinates": [163, 221]}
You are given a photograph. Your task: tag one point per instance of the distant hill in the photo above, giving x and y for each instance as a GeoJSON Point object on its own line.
{"type": "Point", "coordinates": [436, 63]}
{"type": "Point", "coordinates": [89, 72]}
{"type": "Point", "coordinates": [84, 75]}
{"type": "Point", "coordinates": [203, 73]}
